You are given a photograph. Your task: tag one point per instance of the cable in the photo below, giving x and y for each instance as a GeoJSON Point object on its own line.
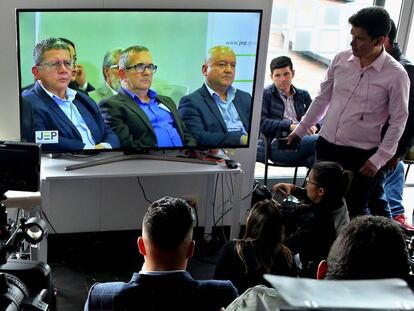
{"type": "Point", "coordinates": [143, 191]}
{"type": "Point", "coordinates": [47, 220]}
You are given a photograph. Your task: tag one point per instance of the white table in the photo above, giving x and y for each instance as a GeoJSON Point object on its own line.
{"type": "Point", "coordinates": [101, 198]}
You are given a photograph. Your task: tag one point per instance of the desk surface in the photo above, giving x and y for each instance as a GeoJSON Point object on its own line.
{"type": "Point", "coordinates": [55, 168]}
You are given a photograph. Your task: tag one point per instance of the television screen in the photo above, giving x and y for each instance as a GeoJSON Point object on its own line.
{"type": "Point", "coordinates": [171, 79]}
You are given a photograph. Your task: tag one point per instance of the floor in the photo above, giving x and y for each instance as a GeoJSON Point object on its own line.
{"type": "Point", "coordinates": [80, 260]}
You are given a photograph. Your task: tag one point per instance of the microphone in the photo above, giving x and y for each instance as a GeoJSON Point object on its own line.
{"type": "Point", "coordinates": [362, 115]}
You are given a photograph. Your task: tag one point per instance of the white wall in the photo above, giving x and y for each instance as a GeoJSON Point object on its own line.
{"type": "Point", "coordinates": [9, 112]}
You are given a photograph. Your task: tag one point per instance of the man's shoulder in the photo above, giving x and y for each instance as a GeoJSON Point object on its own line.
{"type": "Point", "coordinates": [242, 93]}
{"type": "Point", "coordinates": [32, 93]}
{"type": "Point", "coordinates": [301, 92]}
{"type": "Point", "coordinates": [197, 92]}
{"type": "Point", "coordinates": [113, 100]}
{"type": "Point", "coordinates": [216, 286]}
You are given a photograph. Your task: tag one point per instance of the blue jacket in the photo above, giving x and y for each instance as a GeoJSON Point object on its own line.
{"type": "Point", "coordinates": [203, 118]}
{"type": "Point", "coordinates": [175, 291]}
{"type": "Point", "coordinates": [273, 108]}
{"type": "Point", "coordinates": [48, 116]}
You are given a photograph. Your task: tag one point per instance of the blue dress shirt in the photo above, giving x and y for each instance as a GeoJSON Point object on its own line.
{"type": "Point", "coordinates": [161, 119]}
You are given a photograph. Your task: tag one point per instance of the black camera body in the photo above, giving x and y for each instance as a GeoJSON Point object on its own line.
{"type": "Point", "coordinates": [29, 285]}
{"type": "Point", "coordinates": [24, 284]}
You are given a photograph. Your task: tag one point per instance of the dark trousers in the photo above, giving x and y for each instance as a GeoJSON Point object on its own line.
{"type": "Point", "coordinates": [362, 188]}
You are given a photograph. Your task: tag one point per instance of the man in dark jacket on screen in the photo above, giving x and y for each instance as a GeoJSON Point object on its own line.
{"type": "Point", "coordinates": [283, 107]}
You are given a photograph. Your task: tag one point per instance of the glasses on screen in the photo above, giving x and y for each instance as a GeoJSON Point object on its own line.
{"type": "Point", "coordinates": [58, 64]}
{"type": "Point", "coordinates": [140, 68]}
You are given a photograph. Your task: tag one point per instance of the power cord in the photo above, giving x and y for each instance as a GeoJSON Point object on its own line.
{"type": "Point", "coordinates": [143, 191]}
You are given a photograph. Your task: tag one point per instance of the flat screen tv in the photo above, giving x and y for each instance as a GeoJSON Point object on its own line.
{"type": "Point", "coordinates": [178, 41]}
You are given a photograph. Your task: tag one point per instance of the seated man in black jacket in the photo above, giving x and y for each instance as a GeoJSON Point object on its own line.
{"type": "Point", "coordinates": [283, 107]}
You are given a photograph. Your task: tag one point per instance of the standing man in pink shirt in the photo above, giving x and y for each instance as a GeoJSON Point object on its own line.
{"type": "Point", "coordinates": [363, 88]}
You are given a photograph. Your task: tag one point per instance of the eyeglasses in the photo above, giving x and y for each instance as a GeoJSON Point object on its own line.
{"type": "Point", "coordinates": [113, 66]}
{"type": "Point", "coordinates": [307, 181]}
{"type": "Point", "coordinates": [68, 64]}
{"type": "Point", "coordinates": [140, 68]}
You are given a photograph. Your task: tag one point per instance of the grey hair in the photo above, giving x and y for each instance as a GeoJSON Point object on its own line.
{"type": "Point", "coordinates": [124, 59]}
{"type": "Point", "coordinates": [216, 48]}
{"type": "Point", "coordinates": [110, 59]}
{"type": "Point", "coordinates": [46, 45]}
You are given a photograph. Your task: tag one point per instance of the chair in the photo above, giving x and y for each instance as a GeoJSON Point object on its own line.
{"type": "Point", "coordinates": [268, 162]}
{"type": "Point", "coordinates": [409, 159]}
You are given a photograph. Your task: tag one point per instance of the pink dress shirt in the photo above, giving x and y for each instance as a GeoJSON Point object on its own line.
{"type": "Point", "coordinates": [356, 102]}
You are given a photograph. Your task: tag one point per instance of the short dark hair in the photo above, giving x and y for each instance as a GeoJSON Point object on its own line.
{"type": "Point", "coordinates": [375, 20]}
{"type": "Point", "coordinates": [370, 247]}
{"type": "Point", "coordinates": [124, 58]}
{"type": "Point", "coordinates": [333, 178]}
{"type": "Point", "coordinates": [392, 35]}
{"type": "Point", "coordinates": [168, 221]}
{"type": "Point", "coordinates": [281, 62]}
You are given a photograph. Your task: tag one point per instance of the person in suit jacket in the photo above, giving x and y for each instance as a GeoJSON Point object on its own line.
{"type": "Point", "coordinates": [111, 76]}
{"type": "Point", "coordinates": [217, 113]}
{"type": "Point", "coordinates": [163, 282]}
{"type": "Point", "coordinates": [139, 116]}
{"type": "Point", "coordinates": [78, 81]}
{"type": "Point", "coordinates": [55, 107]}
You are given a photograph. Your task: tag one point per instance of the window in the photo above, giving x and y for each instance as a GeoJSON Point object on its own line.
{"type": "Point", "coordinates": [311, 32]}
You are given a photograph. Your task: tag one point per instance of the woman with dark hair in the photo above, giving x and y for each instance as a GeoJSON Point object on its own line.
{"type": "Point", "coordinates": [260, 251]}
{"type": "Point", "coordinates": [312, 225]}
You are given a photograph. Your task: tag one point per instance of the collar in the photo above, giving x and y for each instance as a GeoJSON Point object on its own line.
{"type": "Point", "coordinates": [151, 94]}
{"type": "Point", "coordinates": [70, 93]}
{"type": "Point", "coordinates": [377, 64]}
{"type": "Point", "coordinates": [292, 89]}
{"type": "Point", "coordinates": [160, 272]}
{"type": "Point", "coordinates": [231, 91]}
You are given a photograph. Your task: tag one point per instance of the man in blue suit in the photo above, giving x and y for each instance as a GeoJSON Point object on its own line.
{"type": "Point", "coordinates": [163, 284]}
{"type": "Point", "coordinates": [217, 114]}
{"type": "Point", "coordinates": [64, 119]}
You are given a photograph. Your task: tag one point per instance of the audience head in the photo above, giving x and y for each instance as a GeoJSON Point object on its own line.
{"type": "Point", "coordinates": [391, 38]}
{"type": "Point", "coordinates": [110, 68]}
{"type": "Point", "coordinates": [136, 69]}
{"type": "Point", "coordinates": [370, 26]}
{"type": "Point", "coordinates": [167, 231]}
{"type": "Point", "coordinates": [370, 247]}
{"type": "Point", "coordinates": [53, 65]}
{"type": "Point", "coordinates": [264, 233]}
{"type": "Point", "coordinates": [374, 20]}
{"type": "Point", "coordinates": [72, 50]}
{"type": "Point", "coordinates": [282, 73]}
{"type": "Point", "coordinates": [219, 68]}
{"type": "Point", "coordinates": [264, 224]}
{"type": "Point", "coordinates": [327, 182]}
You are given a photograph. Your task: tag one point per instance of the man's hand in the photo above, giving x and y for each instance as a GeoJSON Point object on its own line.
{"type": "Point", "coordinates": [293, 126]}
{"type": "Point", "coordinates": [392, 164]}
{"type": "Point", "coordinates": [80, 75]}
{"type": "Point", "coordinates": [368, 169]}
{"type": "Point", "coordinates": [293, 137]}
{"type": "Point", "coordinates": [100, 146]}
{"type": "Point", "coordinates": [244, 139]}
{"type": "Point", "coordinates": [284, 188]}
{"type": "Point", "coordinates": [313, 130]}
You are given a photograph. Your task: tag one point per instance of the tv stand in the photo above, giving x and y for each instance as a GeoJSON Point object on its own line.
{"type": "Point", "coordinates": [175, 158]}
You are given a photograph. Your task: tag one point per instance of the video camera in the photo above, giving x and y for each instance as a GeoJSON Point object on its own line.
{"type": "Point", "coordinates": [24, 284]}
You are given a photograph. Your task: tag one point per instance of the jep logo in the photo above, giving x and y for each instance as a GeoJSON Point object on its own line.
{"type": "Point", "coordinates": [47, 137]}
